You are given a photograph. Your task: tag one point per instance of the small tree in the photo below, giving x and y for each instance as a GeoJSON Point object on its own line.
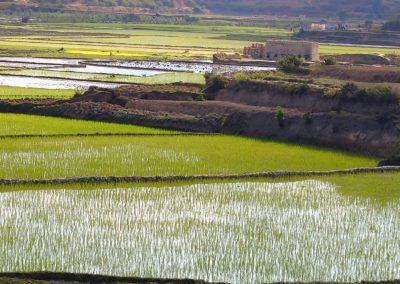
{"type": "Point", "coordinates": [280, 116]}
{"type": "Point", "coordinates": [330, 61]}
{"type": "Point", "coordinates": [289, 63]}
{"type": "Point", "coordinates": [25, 19]}
{"type": "Point", "coordinates": [349, 90]}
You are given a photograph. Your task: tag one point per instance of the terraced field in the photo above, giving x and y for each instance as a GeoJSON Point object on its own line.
{"type": "Point", "coordinates": [245, 232]}
{"type": "Point", "coordinates": [29, 125]}
{"type": "Point", "coordinates": [336, 228]}
{"type": "Point", "coordinates": [342, 228]}
{"type": "Point", "coordinates": [59, 157]}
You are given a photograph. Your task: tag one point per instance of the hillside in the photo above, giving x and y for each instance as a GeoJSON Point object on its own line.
{"type": "Point", "coordinates": [311, 8]}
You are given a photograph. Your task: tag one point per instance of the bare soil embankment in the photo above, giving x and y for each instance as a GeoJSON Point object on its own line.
{"type": "Point", "coordinates": [368, 125]}
{"type": "Point", "coordinates": [375, 74]}
{"type": "Point", "coordinates": [65, 278]}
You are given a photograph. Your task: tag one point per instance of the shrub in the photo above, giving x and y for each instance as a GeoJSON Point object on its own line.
{"type": "Point", "coordinates": [25, 20]}
{"type": "Point", "coordinates": [298, 88]}
{"type": "Point", "coordinates": [280, 116]}
{"type": "Point", "coordinates": [308, 117]}
{"type": "Point", "coordinates": [214, 83]}
{"type": "Point", "coordinates": [258, 75]}
{"type": "Point", "coordinates": [79, 92]}
{"type": "Point", "coordinates": [349, 90]}
{"type": "Point", "coordinates": [380, 94]}
{"type": "Point", "coordinates": [330, 92]}
{"type": "Point", "coordinates": [330, 61]}
{"type": "Point", "coordinates": [393, 24]}
{"type": "Point", "coordinates": [290, 63]}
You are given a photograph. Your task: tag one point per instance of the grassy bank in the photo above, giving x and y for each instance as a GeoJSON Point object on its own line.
{"type": "Point", "coordinates": [33, 93]}
{"type": "Point", "coordinates": [20, 124]}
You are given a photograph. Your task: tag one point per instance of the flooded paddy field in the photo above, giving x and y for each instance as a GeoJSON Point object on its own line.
{"type": "Point", "coordinates": [50, 83]}
{"type": "Point", "coordinates": [242, 232]}
{"type": "Point", "coordinates": [196, 67]}
{"type": "Point", "coordinates": [46, 73]}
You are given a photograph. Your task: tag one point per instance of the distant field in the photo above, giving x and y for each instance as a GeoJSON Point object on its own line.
{"type": "Point", "coordinates": [32, 93]}
{"type": "Point", "coordinates": [147, 41]}
{"type": "Point", "coordinates": [337, 49]}
{"type": "Point", "coordinates": [20, 124]}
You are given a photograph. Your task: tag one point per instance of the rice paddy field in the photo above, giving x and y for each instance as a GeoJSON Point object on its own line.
{"type": "Point", "coordinates": [31, 125]}
{"type": "Point", "coordinates": [59, 157]}
{"type": "Point", "coordinates": [243, 232]}
{"type": "Point", "coordinates": [337, 228]}
{"type": "Point", "coordinates": [7, 92]}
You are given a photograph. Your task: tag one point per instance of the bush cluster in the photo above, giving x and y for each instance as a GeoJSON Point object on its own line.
{"type": "Point", "coordinates": [290, 63]}
{"type": "Point", "coordinates": [214, 83]}
{"type": "Point", "coordinates": [258, 75]}
{"type": "Point", "coordinates": [385, 94]}
{"type": "Point", "coordinates": [329, 61]}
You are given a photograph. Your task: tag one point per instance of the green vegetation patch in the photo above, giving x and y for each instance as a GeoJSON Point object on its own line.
{"type": "Point", "coordinates": [379, 187]}
{"type": "Point", "coordinates": [238, 232]}
{"type": "Point", "coordinates": [20, 124]}
{"type": "Point", "coordinates": [162, 155]}
{"type": "Point", "coordinates": [7, 92]}
{"type": "Point", "coordinates": [164, 78]}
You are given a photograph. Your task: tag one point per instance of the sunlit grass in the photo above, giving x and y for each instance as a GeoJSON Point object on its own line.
{"type": "Point", "coordinates": [338, 49]}
{"type": "Point", "coordinates": [249, 232]}
{"type": "Point", "coordinates": [166, 155]}
{"type": "Point", "coordinates": [23, 93]}
{"type": "Point", "coordinates": [20, 124]}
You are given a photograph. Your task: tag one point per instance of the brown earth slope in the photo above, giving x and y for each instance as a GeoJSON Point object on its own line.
{"type": "Point", "coordinates": [248, 108]}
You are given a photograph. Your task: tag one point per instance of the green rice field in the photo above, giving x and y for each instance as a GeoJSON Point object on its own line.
{"type": "Point", "coordinates": [245, 232]}
{"type": "Point", "coordinates": [21, 124]}
{"type": "Point", "coordinates": [337, 228]}
{"type": "Point", "coordinates": [7, 92]}
{"type": "Point", "coordinates": [58, 157]}
{"type": "Point", "coordinates": [25, 155]}
{"type": "Point", "coordinates": [341, 228]}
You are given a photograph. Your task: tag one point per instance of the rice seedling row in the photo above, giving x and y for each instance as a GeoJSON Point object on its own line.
{"type": "Point", "coordinates": [249, 232]}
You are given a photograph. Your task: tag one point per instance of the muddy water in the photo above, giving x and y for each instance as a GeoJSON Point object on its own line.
{"type": "Point", "coordinates": [48, 83]}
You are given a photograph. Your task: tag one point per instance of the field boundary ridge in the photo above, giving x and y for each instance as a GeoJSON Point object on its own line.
{"type": "Point", "coordinates": [137, 179]}
{"type": "Point", "coordinates": [105, 134]}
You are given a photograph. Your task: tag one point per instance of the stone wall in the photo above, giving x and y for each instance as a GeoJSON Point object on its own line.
{"type": "Point", "coordinates": [275, 49]}
{"type": "Point", "coordinates": [304, 49]}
